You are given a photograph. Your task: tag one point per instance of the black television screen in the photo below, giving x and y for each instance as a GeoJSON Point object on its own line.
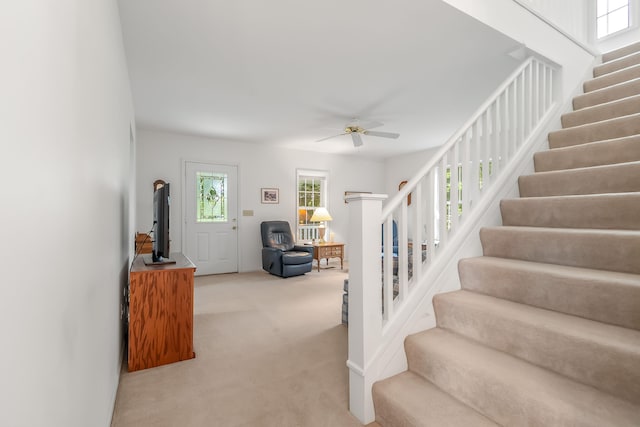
{"type": "Point", "coordinates": [161, 201]}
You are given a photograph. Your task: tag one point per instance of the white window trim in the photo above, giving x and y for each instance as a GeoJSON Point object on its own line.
{"type": "Point", "coordinates": [593, 29]}
{"type": "Point", "coordinates": [325, 193]}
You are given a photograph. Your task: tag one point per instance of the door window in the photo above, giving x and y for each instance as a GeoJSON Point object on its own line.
{"type": "Point", "coordinates": [211, 197]}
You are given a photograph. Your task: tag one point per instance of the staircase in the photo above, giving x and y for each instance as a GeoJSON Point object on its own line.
{"type": "Point", "coordinates": [546, 328]}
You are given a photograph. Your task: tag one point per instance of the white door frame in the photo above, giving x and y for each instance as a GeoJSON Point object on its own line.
{"type": "Point", "coordinates": [183, 209]}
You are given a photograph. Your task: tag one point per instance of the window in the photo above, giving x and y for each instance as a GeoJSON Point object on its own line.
{"type": "Point", "coordinates": [611, 16]}
{"type": "Point", "coordinates": [312, 194]}
{"type": "Point", "coordinates": [211, 197]}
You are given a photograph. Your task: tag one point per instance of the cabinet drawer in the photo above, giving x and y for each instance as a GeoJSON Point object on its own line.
{"type": "Point", "coordinates": [335, 251]}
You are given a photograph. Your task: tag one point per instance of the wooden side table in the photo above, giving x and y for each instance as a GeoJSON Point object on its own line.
{"type": "Point", "coordinates": [328, 250]}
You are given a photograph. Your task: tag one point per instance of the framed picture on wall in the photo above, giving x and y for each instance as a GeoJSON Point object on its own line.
{"type": "Point", "coordinates": [270, 195]}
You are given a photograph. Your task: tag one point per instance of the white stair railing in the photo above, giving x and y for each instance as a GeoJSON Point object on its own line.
{"type": "Point", "coordinates": [419, 222]}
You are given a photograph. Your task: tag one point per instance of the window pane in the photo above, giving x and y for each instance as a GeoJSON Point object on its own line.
{"type": "Point", "coordinates": [602, 7]}
{"type": "Point", "coordinates": [311, 189]}
{"type": "Point", "coordinates": [618, 20]}
{"type": "Point", "coordinates": [602, 27]}
{"type": "Point", "coordinates": [212, 197]}
{"type": "Point", "coordinates": [617, 4]}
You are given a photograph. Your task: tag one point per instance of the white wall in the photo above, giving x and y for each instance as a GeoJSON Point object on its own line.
{"type": "Point", "coordinates": [161, 155]}
{"type": "Point", "coordinates": [513, 20]}
{"type": "Point", "coordinates": [571, 16]}
{"type": "Point", "coordinates": [404, 167]}
{"type": "Point", "coordinates": [65, 114]}
{"type": "Point", "coordinates": [578, 18]}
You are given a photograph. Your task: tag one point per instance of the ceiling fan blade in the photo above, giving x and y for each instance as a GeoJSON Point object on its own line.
{"type": "Point", "coordinates": [329, 137]}
{"type": "Point", "coordinates": [357, 139]}
{"type": "Point", "coordinates": [382, 134]}
{"type": "Point", "coordinates": [371, 125]}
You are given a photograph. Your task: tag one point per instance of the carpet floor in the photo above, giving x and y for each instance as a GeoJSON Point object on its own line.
{"type": "Point", "coordinates": [269, 352]}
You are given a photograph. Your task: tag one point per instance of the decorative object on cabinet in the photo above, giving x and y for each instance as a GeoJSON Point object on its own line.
{"type": "Point", "coordinates": [144, 244]}
{"type": "Point", "coordinates": [402, 184]}
{"type": "Point", "coordinates": [321, 215]}
{"type": "Point", "coordinates": [158, 183]}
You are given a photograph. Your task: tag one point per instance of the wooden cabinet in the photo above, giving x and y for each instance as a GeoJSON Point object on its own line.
{"type": "Point", "coordinates": [160, 313]}
{"type": "Point", "coordinates": [328, 250]}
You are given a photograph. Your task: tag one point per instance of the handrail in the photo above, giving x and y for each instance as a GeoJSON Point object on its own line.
{"type": "Point", "coordinates": [407, 188]}
{"type": "Point", "coordinates": [559, 29]}
{"type": "Point", "coordinates": [450, 184]}
{"type": "Point", "coordinates": [418, 231]}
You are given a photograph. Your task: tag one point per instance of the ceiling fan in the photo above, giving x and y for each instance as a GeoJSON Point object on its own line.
{"type": "Point", "coordinates": [356, 130]}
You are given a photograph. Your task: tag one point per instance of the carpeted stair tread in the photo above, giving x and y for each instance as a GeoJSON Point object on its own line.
{"type": "Point", "coordinates": [599, 153]}
{"type": "Point", "coordinates": [607, 94]}
{"type": "Point", "coordinates": [617, 178]}
{"type": "Point", "coordinates": [509, 390]}
{"type": "Point", "coordinates": [607, 129]}
{"type": "Point", "coordinates": [577, 348]}
{"type": "Point", "coordinates": [612, 211]}
{"type": "Point", "coordinates": [606, 111]}
{"type": "Point", "coordinates": [612, 78]}
{"type": "Point", "coordinates": [545, 330]}
{"type": "Point", "coordinates": [409, 400]}
{"type": "Point", "coordinates": [617, 64]}
{"type": "Point", "coordinates": [613, 250]}
{"type": "Point", "coordinates": [621, 52]}
{"type": "Point", "coordinates": [604, 296]}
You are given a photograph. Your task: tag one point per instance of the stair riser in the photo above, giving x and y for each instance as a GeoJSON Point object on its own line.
{"type": "Point", "coordinates": [613, 66]}
{"type": "Point", "coordinates": [612, 79]}
{"type": "Point", "coordinates": [409, 400]}
{"type": "Point", "coordinates": [592, 249]}
{"type": "Point", "coordinates": [622, 178]}
{"type": "Point", "coordinates": [618, 211]}
{"type": "Point", "coordinates": [610, 129]}
{"type": "Point", "coordinates": [546, 328]}
{"type": "Point", "coordinates": [613, 93]}
{"type": "Point", "coordinates": [545, 343]}
{"type": "Point", "coordinates": [611, 110]}
{"type": "Point", "coordinates": [592, 154]}
{"type": "Point", "coordinates": [612, 299]}
{"type": "Point", "coordinates": [619, 53]}
{"type": "Point", "coordinates": [504, 400]}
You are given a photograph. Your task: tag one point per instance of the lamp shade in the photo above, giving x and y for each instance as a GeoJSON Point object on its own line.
{"type": "Point", "coordinates": [320, 214]}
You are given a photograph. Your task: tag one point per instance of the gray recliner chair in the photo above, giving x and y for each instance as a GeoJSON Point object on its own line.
{"type": "Point", "coordinates": [280, 255]}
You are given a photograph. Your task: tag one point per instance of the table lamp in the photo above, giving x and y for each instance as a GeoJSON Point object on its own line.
{"type": "Point", "coordinates": [321, 215]}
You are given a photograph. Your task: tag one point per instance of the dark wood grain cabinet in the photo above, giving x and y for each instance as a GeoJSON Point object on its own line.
{"type": "Point", "coordinates": [160, 313]}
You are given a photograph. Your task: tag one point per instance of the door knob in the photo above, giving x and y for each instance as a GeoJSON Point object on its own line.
{"type": "Point", "coordinates": [234, 227]}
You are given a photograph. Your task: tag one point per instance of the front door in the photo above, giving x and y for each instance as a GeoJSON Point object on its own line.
{"type": "Point", "coordinates": [211, 217]}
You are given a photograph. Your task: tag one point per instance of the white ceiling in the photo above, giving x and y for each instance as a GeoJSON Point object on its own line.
{"type": "Point", "coordinates": [289, 72]}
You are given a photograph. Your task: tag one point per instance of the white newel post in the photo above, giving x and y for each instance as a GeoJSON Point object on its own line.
{"type": "Point", "coordinates": [365, 299]}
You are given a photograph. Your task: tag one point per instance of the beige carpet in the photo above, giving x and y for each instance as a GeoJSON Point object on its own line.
{"type": "Point", "coordinates": [269, 352]}
{"type": "Point", "coordinates": [546, 328]}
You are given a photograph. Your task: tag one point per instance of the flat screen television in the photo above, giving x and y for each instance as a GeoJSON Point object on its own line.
{"type": "Point", "coordinates": [161, 241]}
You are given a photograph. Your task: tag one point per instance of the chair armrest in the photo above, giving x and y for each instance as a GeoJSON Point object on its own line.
{"type": "Point", "coordinates": [305, 248]}
{"type": "Point", "coordinates": [272, 260]}
{"type": "Point", "coordinates": [272, 250]}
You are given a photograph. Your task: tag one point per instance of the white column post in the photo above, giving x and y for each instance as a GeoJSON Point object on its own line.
{"type": "Point", "coordinates": [365, 299]}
